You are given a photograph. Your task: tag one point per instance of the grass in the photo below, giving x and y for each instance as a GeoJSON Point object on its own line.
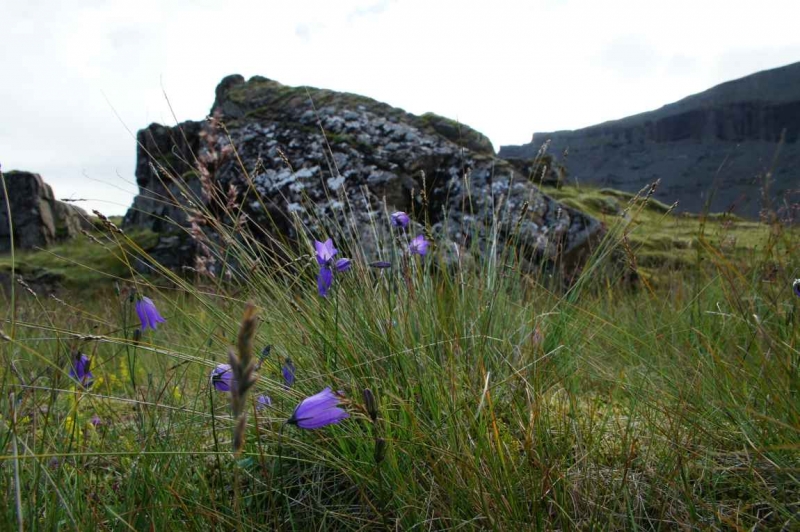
{"type": "Point", "coordinates": [662, 240]}
{"type": "Point", "coordinates": [82, 264]}
{"type": "Point", "coordinates": [504, 400]}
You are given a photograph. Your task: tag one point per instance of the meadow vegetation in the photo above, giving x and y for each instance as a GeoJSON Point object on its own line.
{"type": "Point", "coordinates": [480, 394]}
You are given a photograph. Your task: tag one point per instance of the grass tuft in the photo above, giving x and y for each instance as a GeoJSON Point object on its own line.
{"type": "Point", "coordinates": [481, 394]}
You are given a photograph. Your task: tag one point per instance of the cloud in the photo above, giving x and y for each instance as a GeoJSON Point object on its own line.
{"type": "Point", "coordinates": [681, 65]}
{"type": "Point", "coordinates": [126, 37]}
{"type": "Point", "coordinates": [507, 68]}
{"type": "Point", "coordinates": [369, 10]}
{"type": "Point", "coordinates": [630, 56]}
{"type": "Point", "coordinates": [740, 62]}
{"type": "Point", "coordinates": [303, 32]}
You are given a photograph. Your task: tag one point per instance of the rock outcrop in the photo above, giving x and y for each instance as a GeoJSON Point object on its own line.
{"type": "Point", "coordinates": [38, 219]}
{"type": "Point", "coordinates": [722, 141]}
{"type": "Point", "coordinates": [319, 159]}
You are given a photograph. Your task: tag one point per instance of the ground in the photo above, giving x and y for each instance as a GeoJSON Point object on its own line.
{"type": "Point", "coordinates": [503, 400]}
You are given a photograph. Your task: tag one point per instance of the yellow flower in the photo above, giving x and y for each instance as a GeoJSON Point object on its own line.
{"type": "Point", "coordinates": [69, 424]}
{"type": "Point", "coordinates": [123, 370]}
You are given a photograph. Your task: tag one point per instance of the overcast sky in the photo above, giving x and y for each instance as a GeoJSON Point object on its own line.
{"type": "Point", "coordinates": [507, 68]}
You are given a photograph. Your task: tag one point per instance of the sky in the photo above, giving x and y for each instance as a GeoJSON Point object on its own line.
{"type": "Point", "coordinates": [79, 78]}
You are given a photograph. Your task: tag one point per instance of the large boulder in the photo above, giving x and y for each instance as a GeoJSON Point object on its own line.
{"type": "Point", "coordinates": [315, 158]}
{"type": "Point", "coordinates": [735, 146]}
{"type": "Point", "coordinates": [38, 219]}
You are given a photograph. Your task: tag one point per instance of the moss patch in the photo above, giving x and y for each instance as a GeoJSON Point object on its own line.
{"type": "Point", "coordinates": [457, 133]}
{"type": "Point", "coordinates": [661, 240]}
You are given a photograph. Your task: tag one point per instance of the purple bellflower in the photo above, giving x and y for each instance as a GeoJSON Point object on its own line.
{"type": "Point", "coordinates": [400, 219]}
{"type": "Point", "coordinates": [324, 281]}
{"type": "Point", "coordinates": [148, 313]}
{"type": "Point", "coordinates": [325, 253]}
{"type": "Point", "coordinates": [222, 377]}
{"type": "Point", "coordinates": [263, 402]}
{"type": "Point", "coordinates": [418, 246]}
{"type": "Point", "coordinates": [342, 265]}
{"type": "Point", "coordinates": [318, 411]}
{"type": "Point", "coordinates": [288, 371]}
{"type": "Point", "coordinates": [80, 370]}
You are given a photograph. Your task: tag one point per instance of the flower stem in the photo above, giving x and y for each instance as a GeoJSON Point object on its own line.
{"type": "Point", "coordinates": [214, 429]}
{"type": "Point", "coordinates": [336, 328]}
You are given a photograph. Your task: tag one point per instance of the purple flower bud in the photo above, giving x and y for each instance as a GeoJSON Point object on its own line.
{"type": "Point", "coordinates": [263, 402]}
{"type": "Point", "coordinates": [371, 404]}
{"type": "Point", "coordinates": [418, 246]}
{"type": "Point", "coordinates": [80, 370]}
{"type": "Point", "coordinates": [148, 313]}
{"type": "Point", "coordinates": [796, 287]}
{"type": "Point", "coordinates": [264, 353]}
{"type": "Point", "coordinates": [342, 265]}
{"type": "Point", "coordinates": [318, 411]}
{"type": "Point", "coordinates": [288, 371]}
{"type": "Point", "coordinates": [222, 377]}
{"type": "Point", "coordinates": [400, 219]}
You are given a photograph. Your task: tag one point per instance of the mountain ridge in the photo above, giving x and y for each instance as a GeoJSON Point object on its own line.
{"type": "Point", "coordinates": [727, 135]}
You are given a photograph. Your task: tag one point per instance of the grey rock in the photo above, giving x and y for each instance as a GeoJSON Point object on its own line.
{"type": "Point", "coordinates": [726, 140]}
{"type": "Point", "coordinates": [165, 162]}
{"type": "Point", "coordinates": [38, 219]}
{"type": "Point", "coordinates": [340, 168]}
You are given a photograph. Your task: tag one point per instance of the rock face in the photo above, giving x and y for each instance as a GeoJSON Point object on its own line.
{"type": "Point", "coordinates": [38, 218]}
{"type": "Point", "coordinates": [320, 159]}
{"type": "Point", "coordinates": [724, 139]}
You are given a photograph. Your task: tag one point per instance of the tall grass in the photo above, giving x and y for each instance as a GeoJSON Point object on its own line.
{"type": "Point", "coordinates": [506, 399]}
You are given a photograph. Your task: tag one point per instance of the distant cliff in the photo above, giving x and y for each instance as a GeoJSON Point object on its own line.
{"type": "Point", "coordinates": [37, 218]}
{"type": "Point", "coordinates": [723, 140]}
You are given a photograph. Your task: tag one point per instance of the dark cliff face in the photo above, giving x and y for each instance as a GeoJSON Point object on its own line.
{"type": "Point", "coordinates": [38, 219]}
{"type": "Point", "coordinates": [716, 146]}
{"type": "Point", "coordinates": [319, 159]}
{"type": "Point", "coordinates": [163, 152]}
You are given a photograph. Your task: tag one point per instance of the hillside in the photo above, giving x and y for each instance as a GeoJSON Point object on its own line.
{"type": "Point", "coordinates": [714, 147]}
